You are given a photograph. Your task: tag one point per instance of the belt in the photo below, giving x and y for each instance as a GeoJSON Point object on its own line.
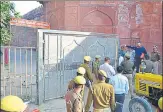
{"type": "Point", "coordinates": [102, 109]}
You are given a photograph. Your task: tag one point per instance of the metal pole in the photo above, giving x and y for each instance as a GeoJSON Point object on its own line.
{"type": "Point", "coordinates": [26, 72]}
{"type": "Point", "coordinates": [31, 71]}
{"type": "Point", "coordinates": [57, 66]}
{"type": "Point", "coordinates": [4, 84]}
{"type": "Point", "coordinates": [9, 72]}
{"type": "Point", "coordinates": [21, 72]}
{"type": "Point", "coordinates": [15, 70]}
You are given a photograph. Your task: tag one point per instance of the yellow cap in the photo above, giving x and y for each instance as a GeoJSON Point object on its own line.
{"type": "Point", "coordinates": [102, 72]}
{"type": "Point", "coordinates": [87, 58]}
{"type": "Point", "coordinates": [81, 70]}
{"type": "Point", "coordinates": [160, 103]}
{"type": "Point", "coordinates": [79, 80]}
{"type": "Point", "coordinates": [13, 104]}
{"type": "Point", "coordinates": [97, 56]}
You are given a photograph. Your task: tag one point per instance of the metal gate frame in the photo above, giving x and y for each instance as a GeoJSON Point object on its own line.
{"type": "Point", "coordinates": [40, 53]}
{"type": "Point", "coordinates": [18, 72]}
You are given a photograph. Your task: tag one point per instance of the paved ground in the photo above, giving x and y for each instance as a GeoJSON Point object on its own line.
{"type": "Point", "coordinates": [58, 105]}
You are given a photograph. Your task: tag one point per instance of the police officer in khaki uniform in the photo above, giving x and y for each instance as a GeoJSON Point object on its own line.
{"type": "Point", "coordinates": [102, 95]}
{"type": "Point", "coordinates": [74, 101]}
{"type": "Point", "coordinates": [80, 72]}
{"type": "Point", "coordinates": [88, 76]}
{"type": "Point", "coordinates": [95, 67]}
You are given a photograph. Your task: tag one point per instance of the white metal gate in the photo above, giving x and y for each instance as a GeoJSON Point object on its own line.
{"type": "Point", "coordinates": [18, 72]}
{"type": "Point", "coordinates": [61, 52]}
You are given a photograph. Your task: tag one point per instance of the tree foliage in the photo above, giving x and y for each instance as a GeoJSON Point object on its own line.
{"type": "Point", "coordinates": [7, 11]}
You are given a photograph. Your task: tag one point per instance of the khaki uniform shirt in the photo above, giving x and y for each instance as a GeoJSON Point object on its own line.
{"type": "Point", "coordinates": [95, 68]}
{"type": "Point", "coordinates": [155, 56]}
{"type": "Point", "coordinates": [71, 87]}
{"type": "Point", "coordinates": [74, 102]}
{"type": "Point", "coordinates": [102, 95]}
{"type": "Point", "coordinates": [87, 75]}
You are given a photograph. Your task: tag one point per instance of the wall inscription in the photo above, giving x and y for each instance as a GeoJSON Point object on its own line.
{"type": "Point", "coordinates": [139, 14]}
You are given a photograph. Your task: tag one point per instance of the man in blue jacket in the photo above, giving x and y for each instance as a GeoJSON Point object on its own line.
{"type": "Point", "coordinates": [139, 50]}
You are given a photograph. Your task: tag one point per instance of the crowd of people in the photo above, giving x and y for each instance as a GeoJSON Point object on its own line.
{"type": "Point", "coordinates": [106, 87]}
{"type": "Point", "coordinates": [139, 54]}
{"type": "Point", "coordinates": [102, 85]}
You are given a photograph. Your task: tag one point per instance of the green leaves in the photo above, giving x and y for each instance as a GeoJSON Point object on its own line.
{"type": "Point", "coordinates": [7, 11]}
{"type": "Point", "coordinates": [5, 36]}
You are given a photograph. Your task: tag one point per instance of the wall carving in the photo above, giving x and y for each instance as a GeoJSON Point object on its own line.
{"type": "Point", "coordinates": [135, 34]}
{"type": "Point", "coordinates": [123, 9]}
{"type": "Point", "coordinates": [123, 14]}
{"type": "Point", "coordinates": [97, 18]}
{"type": "Point", "coordinates": [71, 19]}
{"type": "Point", "coordinates": [71, 9]}
{"type": "Point", "coordinates": [123, 19]}
{"type": "Point", "coordinates": [97, 21]}
{"type": "Point", "coordinates": [139, 14]}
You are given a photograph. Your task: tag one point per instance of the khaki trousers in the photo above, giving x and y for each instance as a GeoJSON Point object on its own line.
{"type": "Point", "coordinates": [130, 78]}
{"type": "Point", "coordinates": [94, 78]}
{"type": "Point", "coordinates": [86, 90]}
{"type": "Point", "coordinates": [102, 110]}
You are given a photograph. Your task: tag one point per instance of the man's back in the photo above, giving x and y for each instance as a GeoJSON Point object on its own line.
{"type": "Point", "coordinates": [87, 75]}
{"type": "Point", "coordinates": [103, 95]}
{"type": "Point", "coordinates": [127, 67]}
{"type": "Point", "coordinates": [149, 66]}
{"type": "Point", "coordinates": [73, 102]}
{"type": "Point", "coordinates": [95, 67]}
{"type": "Point", "coordinates": [108, 69]}
{"type": "Point", "coordinates": [120, 84]}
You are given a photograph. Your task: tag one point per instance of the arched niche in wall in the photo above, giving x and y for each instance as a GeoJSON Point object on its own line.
{"type": "Point", "coordinates": [97, 21]}
{"type": "Point", "coordinates": [53, 22]}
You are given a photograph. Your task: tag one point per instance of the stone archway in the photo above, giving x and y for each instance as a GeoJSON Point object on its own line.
{"type": "Point", "coordinates": [97, 21]}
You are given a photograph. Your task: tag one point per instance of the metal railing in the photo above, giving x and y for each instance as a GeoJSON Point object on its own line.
{"type": "Point", "coordinates": [18, 72]}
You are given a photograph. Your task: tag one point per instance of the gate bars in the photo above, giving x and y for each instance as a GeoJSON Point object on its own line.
{"type": "Point", "coordinates": [18, 72]}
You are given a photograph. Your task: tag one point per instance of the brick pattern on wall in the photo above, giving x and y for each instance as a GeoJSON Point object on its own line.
{"type": "Point", "coordinates": [23, 36]}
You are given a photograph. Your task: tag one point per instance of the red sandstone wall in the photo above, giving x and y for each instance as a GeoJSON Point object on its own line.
{"type": "Point", "coordinates": [128, 19]}
{"type": "Point", "coordinates": [55, 14]}
{"type": "Point", "coordinates": [149, 23]}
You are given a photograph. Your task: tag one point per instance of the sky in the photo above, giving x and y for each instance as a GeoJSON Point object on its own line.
{"type": "Point", "coordinates": [25, 6]}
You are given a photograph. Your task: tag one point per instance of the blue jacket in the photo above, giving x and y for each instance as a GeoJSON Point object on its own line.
{"type": "Point", "coordinates": [138, 50]}
{"type": "Point", "coordinates": [122, 53]}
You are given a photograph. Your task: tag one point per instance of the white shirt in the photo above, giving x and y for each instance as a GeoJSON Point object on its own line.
{"type": "Point", "coordinates": [120, 60]}
{"type": "Point", "coordinates": [120, 84]}
{"type": "Point", "coordinates": [108, 69]}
